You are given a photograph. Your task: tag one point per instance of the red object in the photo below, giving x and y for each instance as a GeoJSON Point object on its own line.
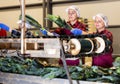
{"type": "Point", "coordinates": [78, 25]}
{"type": "Point", "coordinates": [70, 62]}
{"type": "Point", "coordinates": [104, 60]}
{"type": "Point", "coordinates": [63, 31]}
{"type": "Point", "coordinates": [3, 33]}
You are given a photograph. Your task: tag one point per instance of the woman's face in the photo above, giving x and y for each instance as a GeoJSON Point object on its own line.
{"type": "Point", "coordinates": [99, 24]}
{"type": "Point", "coordinates": [72, 15]}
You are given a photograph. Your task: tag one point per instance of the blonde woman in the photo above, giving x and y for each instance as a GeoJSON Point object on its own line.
{"type": "Point", "coordinates": [78, 28]}
{"type": "Point", "coordinates": [101, 24]}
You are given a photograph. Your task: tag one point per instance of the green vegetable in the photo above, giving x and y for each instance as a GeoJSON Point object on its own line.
{"type": "Point", "coordinates": [30, 66]}
{"type": "Point", "coordinates": [31, 21]}
{"type": "Point", "coordinates": [57, 19]}
{"type": "Point", "coordinates": [116, 63]}
{"type": "Point", "coordinates": [118, 71]}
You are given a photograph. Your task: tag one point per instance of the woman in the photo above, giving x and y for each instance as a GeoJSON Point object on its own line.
{"type": "Point", "coordinates": [73, 16]}
{"type": "Point", "coordinates": [104, 60]}
{"type": "Point", "coordinates": [78, 29]}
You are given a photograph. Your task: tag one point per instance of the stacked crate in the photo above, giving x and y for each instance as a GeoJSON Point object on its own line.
{"type": "Point", "coordinates": [90, 28]}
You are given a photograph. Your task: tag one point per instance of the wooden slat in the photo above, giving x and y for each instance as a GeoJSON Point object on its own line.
{"type": "Point", "coordinates": [35, 47]}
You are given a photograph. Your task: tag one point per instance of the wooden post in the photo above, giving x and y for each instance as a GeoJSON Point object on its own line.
{"type": "Point", "coordinates": [44, 13]}
{"type": "Point", "coordinates": [23, 27]}
{"type": "Point", "coordinates": [49, 11]}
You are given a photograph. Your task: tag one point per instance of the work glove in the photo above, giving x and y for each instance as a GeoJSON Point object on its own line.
{"type": "Point", "coordinates": [55, 34]}
{"type": "Point", "coordinates": [44, 32]}
{"type": "Point", "coordinates": [76, 31]}
{"type": "Point", "coordinates": [15, 33]}
{"type": "Point", "coordinates": [52, 34]}
{"type": "Point", "coordinates": [5, 27]}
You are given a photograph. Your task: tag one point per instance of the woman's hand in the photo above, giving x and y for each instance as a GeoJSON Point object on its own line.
{"type": "Point", "coordinates": [76, 31]}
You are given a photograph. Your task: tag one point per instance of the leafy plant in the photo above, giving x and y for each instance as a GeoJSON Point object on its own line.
{"type": "Point", "coordinates": [60, 22]}
{"type": "Point", "coordinates": [31, 21]}
{"type": "Point", "coordinates": [30, 66]}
